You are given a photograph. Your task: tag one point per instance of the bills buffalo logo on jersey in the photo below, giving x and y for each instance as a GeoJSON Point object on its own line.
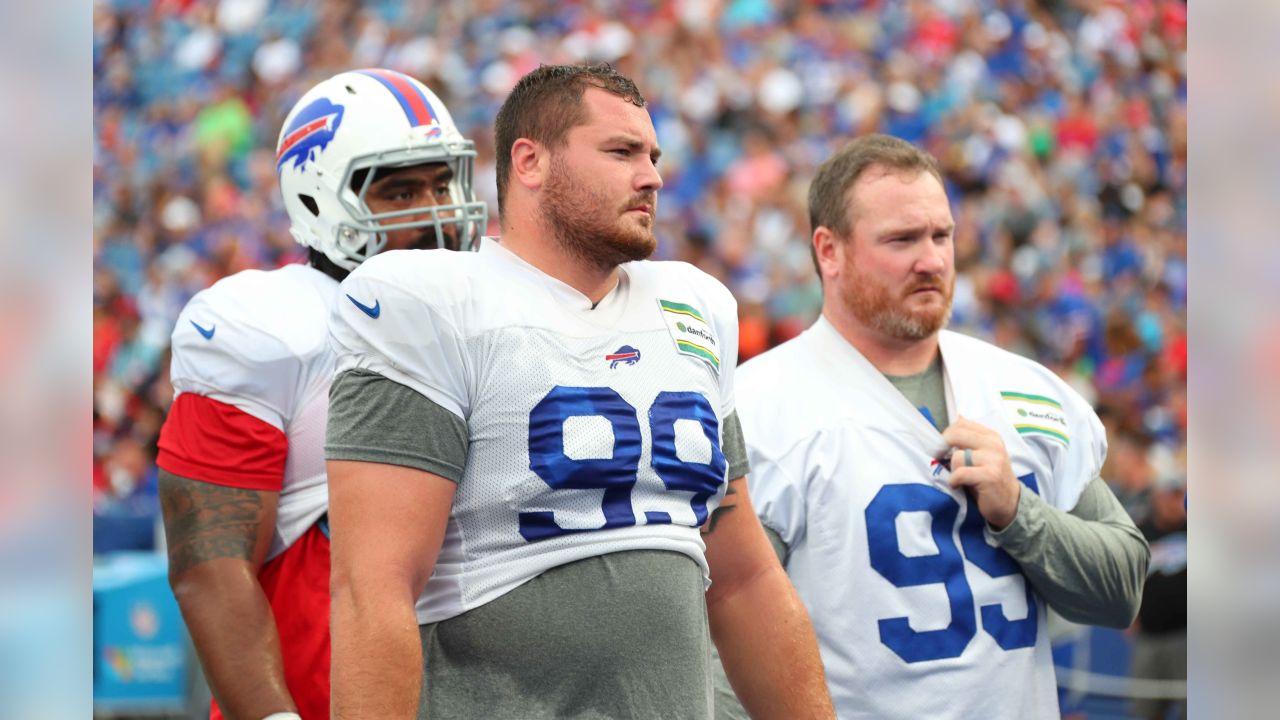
{"type": "Point", "coordinates": [309, 133]}
{"type": "Point", "coordinates": [626, 355]}
{"type": "Point", "coordinates": [940, 464]}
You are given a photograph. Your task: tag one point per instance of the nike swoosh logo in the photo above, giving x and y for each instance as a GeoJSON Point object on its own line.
{"type": "Point", "coordinates": [208, 334]}
{"type": "Point", "coordinates": [372, 312]}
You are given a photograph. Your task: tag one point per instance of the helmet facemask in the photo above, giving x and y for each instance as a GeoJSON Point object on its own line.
{"type": "Point", "coordinates": [364, 232]}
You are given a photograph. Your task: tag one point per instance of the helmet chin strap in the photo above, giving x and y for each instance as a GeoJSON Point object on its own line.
{"type": "Point", "coordinates": [321, 262]}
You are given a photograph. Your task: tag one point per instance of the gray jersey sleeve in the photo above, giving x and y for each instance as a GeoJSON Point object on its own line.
{"type": "Point", "coordinates": [734, 446]}
{"type": "Point", "coordinates": [1088, 564]}
{"type": "Point", "coordinates": [373, 419]}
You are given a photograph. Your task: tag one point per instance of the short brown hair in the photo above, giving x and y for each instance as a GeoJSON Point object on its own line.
{"type": "Point", "coordinates": [546, 104]}
{"type": "Point", "coordinates": [830, 187]}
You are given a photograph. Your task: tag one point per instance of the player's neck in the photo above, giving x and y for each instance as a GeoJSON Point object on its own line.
{"type": "Point", "coordinates": [546, 254]}
{"type": "Point", "coordinates": [890, 356]}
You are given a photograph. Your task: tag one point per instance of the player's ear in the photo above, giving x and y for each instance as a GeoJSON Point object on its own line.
{"type": "Point", "coordinates": [828, 252]}
{"type": "Point", "coordinates": [530, 163]}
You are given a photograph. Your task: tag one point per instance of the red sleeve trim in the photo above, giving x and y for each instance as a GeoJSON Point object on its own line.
{"type": "Point", "coordinates": [203, 439]}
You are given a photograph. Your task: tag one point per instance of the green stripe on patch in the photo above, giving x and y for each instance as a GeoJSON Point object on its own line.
{"type": "Point", "coordinates": [681, 309]}
{"type": "Point", "coordinates": [1025, 397]}
{"type": "Point", "coordinates": [700, 351]}
{"type": "Point", "coordinates": [1031, 429]}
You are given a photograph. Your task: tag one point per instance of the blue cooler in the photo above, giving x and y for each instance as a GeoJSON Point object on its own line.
{"type": "Point", "coordinates": [141, 661]}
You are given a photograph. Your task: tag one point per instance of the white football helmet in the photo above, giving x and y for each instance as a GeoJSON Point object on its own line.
{"type": "Point", "coordinates": [359, 121]}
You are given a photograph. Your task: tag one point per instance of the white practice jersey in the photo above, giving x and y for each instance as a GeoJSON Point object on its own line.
{"type": "Point", "coordinates": [917, 613]}
{"type": "Point", "coordinates": [258, 341]}
{"type": "Point", "coordinates": [590, 431]}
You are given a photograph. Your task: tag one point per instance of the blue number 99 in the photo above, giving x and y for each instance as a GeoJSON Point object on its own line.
{"type": "Point", "coordinates": [616, 475]}
{"type": "Point", "coordinates": [945, 568]}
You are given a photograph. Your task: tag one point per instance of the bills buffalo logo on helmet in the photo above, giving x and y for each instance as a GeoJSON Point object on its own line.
{"type": "Point", "coordinates": [309, 133]}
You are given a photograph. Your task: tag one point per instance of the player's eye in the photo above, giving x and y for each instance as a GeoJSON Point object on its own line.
{"type": "Point", "coordinates": [400, 194]}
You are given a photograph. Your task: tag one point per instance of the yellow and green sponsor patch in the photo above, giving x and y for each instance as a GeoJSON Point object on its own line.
{"type": "Point", "coordinates": [1033, 399]}
{"type": "Point", "coordinates": [1037, 415]}
{"type": "Point", "coordinates": [697, 350]}
{"type": "Point", "coordinates": [681, 309]}
{"type": "Point", "coordinates": [691, 332]}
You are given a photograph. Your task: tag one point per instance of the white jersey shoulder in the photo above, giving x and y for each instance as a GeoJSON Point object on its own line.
{"type": "Point", "coordinates": [675, 277]}
{"type": "Point", "coordinates": [451, 282]}
{"type": "Point", "coordinates": [700, 313]}
{"type": "Point", "coordinates": [443, 300]}
{"type": "Point", "coordinates": [781, 389]}
{"type": "Point", "coordinates": [843, 467]}
{"type": "Point", "coordinates": [406, 314]}
{"type": "Point", "coordinates": [258, 341]}
{"type": "Point", "coordinates": [787, 416]}
{"type": "Point", "coordinates": [254, 338]}
{"type": "Point", "coordinates": [592, 429]}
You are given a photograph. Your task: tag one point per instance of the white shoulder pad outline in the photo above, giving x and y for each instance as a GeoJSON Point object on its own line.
{"type": "Point", "coordinates": [253, 340]}
{"type": "Point", "coordinates": [403, 315]}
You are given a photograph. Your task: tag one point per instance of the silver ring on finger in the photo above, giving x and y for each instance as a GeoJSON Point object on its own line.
{"type": "Point", "coordinates": [968, 457]}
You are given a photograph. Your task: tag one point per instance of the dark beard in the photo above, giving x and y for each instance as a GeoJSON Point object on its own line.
{"type": "Point", "coordinates": [428, 240]}
{"type": "Point", "coordinates": [588, 227]}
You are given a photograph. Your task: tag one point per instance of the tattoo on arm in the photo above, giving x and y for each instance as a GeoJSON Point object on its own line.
{"type": "Point", "coordinates": [204, 521]}
{"type": "Point", "coordinates": [726, 506]}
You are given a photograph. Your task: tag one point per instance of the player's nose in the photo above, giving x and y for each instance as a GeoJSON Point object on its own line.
{"type": "Point", "coordinates": [648, 178]}
{"type": "Point", "coordinates": [932, 259]}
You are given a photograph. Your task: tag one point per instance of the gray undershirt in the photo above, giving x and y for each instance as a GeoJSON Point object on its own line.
{"type": "Point", "coordinates": [622, 635]}
{"type": "Point", "coordinates": [373, 419]}
{"type": "Point", "coordinates": [1087, 564]}
{"type": "Point", "coordinates": [926, 390]}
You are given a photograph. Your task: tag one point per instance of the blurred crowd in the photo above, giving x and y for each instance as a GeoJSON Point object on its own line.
{"type": "Point", "coordinates": [1060, 124]}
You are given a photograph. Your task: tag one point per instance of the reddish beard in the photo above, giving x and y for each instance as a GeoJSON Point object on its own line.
{"type": "Point", "coordinates": [877, 306]}
{"type": "Point", "coordinates": [577, 214]}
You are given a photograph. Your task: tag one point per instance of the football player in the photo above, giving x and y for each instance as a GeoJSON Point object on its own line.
{"type": "Point", "coordinates": [546, 430]}
{"type": "Point", "coordinates": [929, 493]}
{"type": "Point", "coordinates": [368, 160]}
